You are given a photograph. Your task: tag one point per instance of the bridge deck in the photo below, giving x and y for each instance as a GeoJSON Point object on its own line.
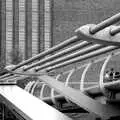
{"type": "Point", "coordinates": [29, 107]}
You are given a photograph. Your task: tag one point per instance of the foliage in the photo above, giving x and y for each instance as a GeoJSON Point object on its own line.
{"type": "Point", "coordinates": [16, 56]}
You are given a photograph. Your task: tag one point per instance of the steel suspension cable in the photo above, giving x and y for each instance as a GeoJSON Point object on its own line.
{"type": "Point", "coordinates": [59, 54]}
{"type": "Point", "coordinates": [71, 56]}
{"type": "Point", "coordinates": [80, 58]}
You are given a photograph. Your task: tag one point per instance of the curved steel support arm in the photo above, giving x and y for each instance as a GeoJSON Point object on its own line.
{"type": "Point", "coordinates": [101, 82]}
{"type": "Point", "coordinates": [83, 77]}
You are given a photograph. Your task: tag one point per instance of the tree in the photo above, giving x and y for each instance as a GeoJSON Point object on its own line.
{"type": "Point", "coordinates": [16, 57]}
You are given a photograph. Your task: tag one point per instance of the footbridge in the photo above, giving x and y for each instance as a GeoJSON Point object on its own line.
{"type": "Point", "coordinates": [69, 77]}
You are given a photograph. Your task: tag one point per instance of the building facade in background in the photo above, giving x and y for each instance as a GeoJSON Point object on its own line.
{"type": "Point", "coordinates": [32, 26]}
{"type": "Point", "coordinates": [25, 28]}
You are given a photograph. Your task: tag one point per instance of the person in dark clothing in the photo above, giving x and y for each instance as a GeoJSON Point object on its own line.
{"type": "Point", "coordinates": [116, 75]}
{"type": "Point", "coordinates": [3, 72]}
{"type": "Point", "coordinates": [111, 74]}
{"type": "Point", "coordinates": [109, 77]}
{"type": "Point", "coordinates": [106, 77]}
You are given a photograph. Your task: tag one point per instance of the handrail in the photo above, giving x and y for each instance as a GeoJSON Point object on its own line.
{"type": "Point", "coordinates": [10, 77]}
{"type": "Point", "coordinates": [6, 76]}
